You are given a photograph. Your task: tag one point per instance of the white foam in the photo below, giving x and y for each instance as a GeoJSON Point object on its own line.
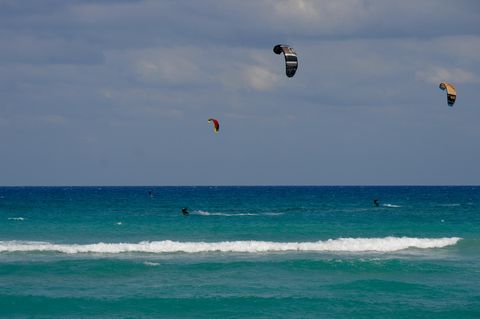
{"type": "Point", "coordinates": [386, 244]}
{"type": "Point", "coordinates": [150, 263]}
{"type": "Point", "coordinates": [391, 206]}
{"type": "Point", "coordinates": [16, 218]}
{"type": "Point", "coordinates": [205, 213]}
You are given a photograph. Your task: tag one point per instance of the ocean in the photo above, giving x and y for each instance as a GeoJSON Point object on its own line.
{"type": "Point", "coordinates": [242, 252]}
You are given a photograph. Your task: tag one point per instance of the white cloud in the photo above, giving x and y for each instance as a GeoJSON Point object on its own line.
{"type": "Point", "coordinates": [440, 74]}
{"type": "Point", "coordinates": [167, 65]}
{"type": "Point", "coordinates": [260, 78]}
{"type": "Point", "coordinates": [328, 14]}
{"type": "Point", "coordinates": [305, 9]}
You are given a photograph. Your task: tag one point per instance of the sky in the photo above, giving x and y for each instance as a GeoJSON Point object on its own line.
{"type": "Point", "coordinates": [119, 92]}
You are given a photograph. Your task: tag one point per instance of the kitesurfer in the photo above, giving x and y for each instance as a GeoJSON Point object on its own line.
{"type": "Point", "coordinates": [376, 202]}
{"type": "Point", "coordinates": [185, 211]}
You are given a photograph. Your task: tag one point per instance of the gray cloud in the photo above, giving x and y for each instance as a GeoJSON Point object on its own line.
{"type": "Point", "coordinates": [119, 92]}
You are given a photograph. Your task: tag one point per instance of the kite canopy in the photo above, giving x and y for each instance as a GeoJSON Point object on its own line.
{"type": "Point", "coordinates": [216, 125]}
{"type": "Point", "coordinates": [451, 92]}
{"type": "Point", "coordinates": [291, 60]}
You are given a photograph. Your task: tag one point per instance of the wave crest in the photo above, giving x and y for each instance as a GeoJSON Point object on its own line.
{"type": "Point", "coordinates": [386, 244]}
{"type": "Point", "coordinates": [205, 213]}
{"type": "Point", "coordinates": [391, 206]}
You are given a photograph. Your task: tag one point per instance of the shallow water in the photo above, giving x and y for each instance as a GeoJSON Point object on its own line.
{"type": "Point", "coordinates": [259, 252]}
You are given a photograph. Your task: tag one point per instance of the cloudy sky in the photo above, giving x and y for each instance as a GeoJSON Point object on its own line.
{"type": "Point", "coordinates": [119, 92]}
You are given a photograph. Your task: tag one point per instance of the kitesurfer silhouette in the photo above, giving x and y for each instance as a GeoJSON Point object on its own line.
{"type": "Point", "coordinates": [376, 202]}
{"type": "Point", "coordinates": [185, 211]}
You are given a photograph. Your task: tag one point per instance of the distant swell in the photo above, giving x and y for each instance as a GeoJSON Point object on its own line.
{"type": "Point", "coordinates": [387, 244]}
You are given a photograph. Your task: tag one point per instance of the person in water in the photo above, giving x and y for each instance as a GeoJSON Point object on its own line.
{"type": "Point", "coordinates": [376, 202]}
{"type": "Point", "coordinates": [185, 211]}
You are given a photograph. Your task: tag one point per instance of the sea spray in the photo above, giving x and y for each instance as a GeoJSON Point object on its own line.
{"type": "Point", "coordinates": [386, 244]}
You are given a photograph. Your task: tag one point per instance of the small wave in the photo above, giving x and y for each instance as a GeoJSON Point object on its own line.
{"type": "Point", "coordinates": [118, 223]}
{"type": "Point", "coordinates": [150, 263]}
{"type": "Point", "coordinates": [391, 206]}
{"type": "Point", "coordinates": [205, 213]}
{"type": "Point", "coordinates": [16, 218]}
{"type": "Point", "coordinates": [386, 244]}
{"type": "Point", "coordinates": [449, 205]}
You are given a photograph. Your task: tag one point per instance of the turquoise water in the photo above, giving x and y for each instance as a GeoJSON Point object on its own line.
{"type": "Point", "coordinates": [243, 252]}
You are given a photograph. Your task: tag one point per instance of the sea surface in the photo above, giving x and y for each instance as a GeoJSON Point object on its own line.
{"type": "Point", "coordinates": [242, 252]}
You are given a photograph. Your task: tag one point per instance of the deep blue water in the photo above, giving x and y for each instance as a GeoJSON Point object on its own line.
{"type": "Point", "coordinates": [251, 252]}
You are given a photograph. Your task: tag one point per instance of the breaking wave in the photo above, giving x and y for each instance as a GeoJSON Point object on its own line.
{"type": "Point", "coordinates": [205, 213]}
{"type": "Point", "coordinates": [151, 263]}
{"type": "Point", "coordinates": [391, 206]}
{"type": "Point", "coordinates": [386, 244]}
